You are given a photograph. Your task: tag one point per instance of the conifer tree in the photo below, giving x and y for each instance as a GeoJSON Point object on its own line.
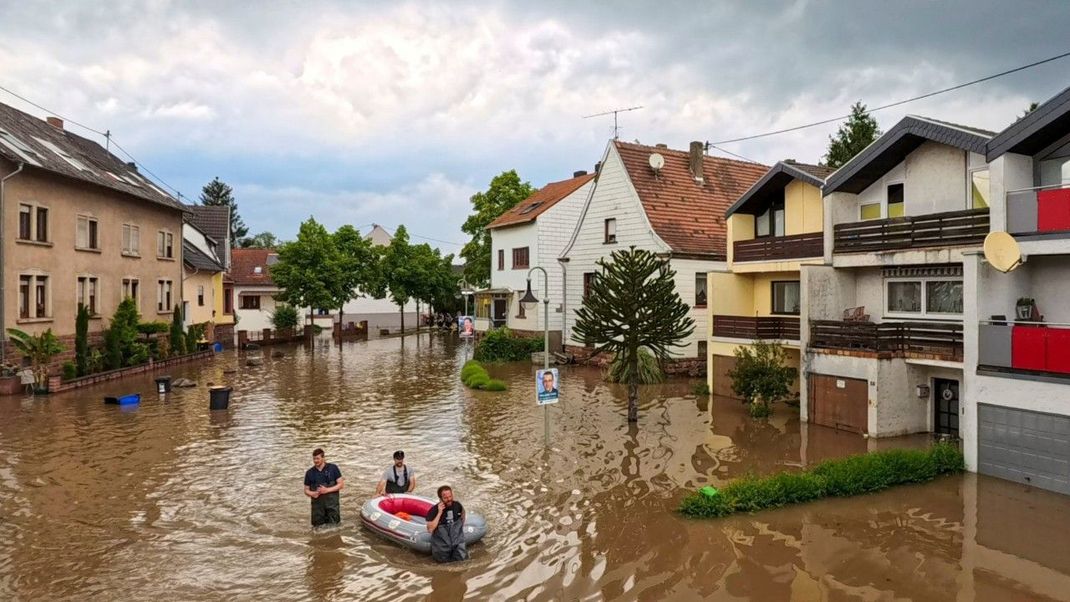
{"type": "Point", "coordinates": [218, 192]}
{"type": "Point", "coordinates": [855, 134]}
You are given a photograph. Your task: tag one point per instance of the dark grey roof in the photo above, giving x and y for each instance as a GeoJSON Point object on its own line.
{"type": "Point", "coordinates": [891, 148]}
{"type": "Point", "coordinates": [32, 141]}
{"type": "Point", "coordinates": [213, 220]}
{"type": "Point", "coordinates": [1032, 133]}
{"type": "Point", "coordinates": [197, 259]}
{"type": "Point", "coordinates": [769, 187]}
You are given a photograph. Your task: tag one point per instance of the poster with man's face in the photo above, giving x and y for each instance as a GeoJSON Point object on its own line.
{"type": "Point", "coordinates": [466, 325]}
{"type": "Point", "coordinates": [546, 384]}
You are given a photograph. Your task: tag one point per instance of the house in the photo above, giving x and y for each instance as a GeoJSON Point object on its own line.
{"type": "Point", "coordinates": [213, 221]}
{"type": "Point", "coordinates": [80, 226]}
{"type": "Point", "coordinates": [202, 280]}
{"type": "Point", "coordinates": [882, 332]}
{"type": "Point", "coordinates": [381, 314]}
{"type": "Point", "coordinates": [250, 271]}
{"type": "Point", "coordinates": [531, 234]}
{"type": "Point", "coordinates": [1015, 419]}
{"type": "Point", "coordinates": [666, 201]}
{"type": "Point", "coordinates": [773, 229]}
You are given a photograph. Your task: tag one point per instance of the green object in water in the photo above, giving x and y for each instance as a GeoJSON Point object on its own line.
{"type": "Point", "coordinates": [709, 491]}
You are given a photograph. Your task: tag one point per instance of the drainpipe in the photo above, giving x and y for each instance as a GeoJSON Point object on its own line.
{"type": "Point", "coordinates": [564, 301]}
{"type": "Point", "coordinates": [3, 275]}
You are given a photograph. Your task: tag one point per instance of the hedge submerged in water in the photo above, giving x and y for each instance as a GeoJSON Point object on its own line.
{"type": "Point", "coordinates": [853, 475]}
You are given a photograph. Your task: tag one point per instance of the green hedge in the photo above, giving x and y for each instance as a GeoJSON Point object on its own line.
{"type": "Point", "coordinates": [844, 477]}
{"type": "Point", "coordinates": [501, 345]}
{"type": "Point", "coordinates": [475, 376]}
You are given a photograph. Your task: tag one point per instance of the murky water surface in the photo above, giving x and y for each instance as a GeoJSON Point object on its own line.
{"type": "Point", "coordinates": [170, 501]}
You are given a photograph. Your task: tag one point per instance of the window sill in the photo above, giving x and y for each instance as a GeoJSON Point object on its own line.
{"type": "Point", "coordinates": [158, 258]}
{"type": "Point", "coordinates": [87, 249]}
{"type": "Point", "coordinates": [609, 242]}
{"type": "Point", "coordinates": [33, 320]}
{"type": "Point", "coordinates": [696, 306]}
{"type": "Point", "coordinates": [35, 243]}
{"type": "Point", "coordinates": [131, 255]}
{"type": "Point", "coordinates": [164, 312]}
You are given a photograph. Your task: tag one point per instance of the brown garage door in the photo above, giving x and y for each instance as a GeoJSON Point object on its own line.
{"type": "Point", "coordinates": [839, 402]}
{"type": "Point", "coordinates": [722, 383]}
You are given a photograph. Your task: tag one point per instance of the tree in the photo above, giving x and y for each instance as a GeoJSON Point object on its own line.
{"type": "Point", "coordinates": [217, 192]}
{"type": "Point", "coordinates": [264, 240]}
{"type": "Point", "coordinates": [633, 304]}
{"type": "Point", "coordinates": [400, 273]}
{"type": "Point", "coordinates": [855, 134]}
{"type": "Point", "coordinates": [1032, 107]}
{"type": "Point", "coordinates": [81, 341]}
{"type": "Point", "coordinates": [120, 340]}
{"type": "Point", "coordinates": [761, 376]}
{"type": "Point", "coordinates": [505, 192]}
{"type": "Point", "coordinates": [308, 268]}
{"type": "Point", "coordinates": [359, 270]}
{"type": "Point", "coordinates": [40, 348]}
{"type": "Point", "coordinates": [285, 318]}
{"type": "Point", "coordinates": [178, 333]}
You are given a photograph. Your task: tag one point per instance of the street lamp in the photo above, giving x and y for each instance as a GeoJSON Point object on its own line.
{"type": "Point", "coordinates": [529, 298]}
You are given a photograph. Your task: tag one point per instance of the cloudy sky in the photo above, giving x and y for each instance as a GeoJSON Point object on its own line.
{"type": "Point", "coordinates": [396, 112]}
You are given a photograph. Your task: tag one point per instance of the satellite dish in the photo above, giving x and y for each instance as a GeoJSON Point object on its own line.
{"type": "Point", "coordinates": [1002, 252]}
{"type": "Point", "coordinates": [657, 161]}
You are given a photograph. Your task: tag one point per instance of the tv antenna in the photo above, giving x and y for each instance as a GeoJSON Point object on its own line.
{"type": "Point", "coordinates": [616, 128]}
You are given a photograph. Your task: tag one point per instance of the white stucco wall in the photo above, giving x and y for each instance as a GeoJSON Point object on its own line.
{"type": "Point", "coordinates": [251, 319]}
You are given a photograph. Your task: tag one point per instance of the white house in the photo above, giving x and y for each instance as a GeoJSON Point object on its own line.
{"type": "Point", "coordinates": [670, 202]}
{"type": "Point", "coordinates": [883, 318]}
{"type": "Point", "coordinates": [531, 234]}
{"type": "Point", "coordinates": [250, 270]}
{"type": "Point", "coordinates": [379, 313]}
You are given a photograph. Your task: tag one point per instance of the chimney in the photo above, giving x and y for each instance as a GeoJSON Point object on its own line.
{"type": "Point", "coordinates": [55, 122]}
{"type": "Point", "coordinates": [579, 173]}
{"type": "Point", "coordinates": [132, 165]}
{"type": "Point", "coordinates": [661, 145]}
{"type": "Point", "coordinates": [598, 167]}
{"type": "Point", "coordinates": [697, 150]}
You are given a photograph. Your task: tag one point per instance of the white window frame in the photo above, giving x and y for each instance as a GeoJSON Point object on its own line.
{"type": "Point", "coordinates": [168, 242]}
{"type": "Point", "coordinates": [81, 292]}
{"type": "Point", "coordinates": [127, 236]}
{"type": "Point", "coordinates": [32, 300]}
{"type": "Point", "coordinates": [200, 295]}
{"type": "Point", "coordinates": [885, 185]}
{"type": "Point", "coordinates": [77, 223]}
{"type": "Point", "coordinates": [924, 314]}
{"type": "Point", "coordinates": [163, 287]}
{"type": "Point", "coordinates": [35, 209]}
{"type": "Point", "coordinates": [125, 289]}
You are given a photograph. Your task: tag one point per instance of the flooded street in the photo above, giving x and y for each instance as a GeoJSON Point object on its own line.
{"type": "Point", "coordinates": [168, 500]}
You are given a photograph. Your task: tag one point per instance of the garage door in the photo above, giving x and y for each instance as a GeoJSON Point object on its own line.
{"type": "Point", "coordinates": [722, 383]}
{"type": "Point", "coordinates": [841, 403]}
{"type": "Point", "coordinates": [1023, 446]}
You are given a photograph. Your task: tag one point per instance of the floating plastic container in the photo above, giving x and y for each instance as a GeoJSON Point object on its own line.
{"type": "Point", "coordinates": [124, 400]}
{"type": "Point", "coordinates": [217, 347]}
{"type": "Point", "coordinates": [163, 385]}
{"type": "Point", "coordinates": [219, 398]}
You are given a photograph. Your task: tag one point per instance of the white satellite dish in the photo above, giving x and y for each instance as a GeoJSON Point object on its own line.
{"type": "Point", "coordinates": [657, 161]}
{"type": "Point", "coordinates": [1002, 252]}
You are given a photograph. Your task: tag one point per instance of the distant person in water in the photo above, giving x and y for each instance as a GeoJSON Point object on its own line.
{"type": "Point", "coordinates": [322, 483]}
{"type": "Point", "coordinates": [397, 478]}
{"type": "Point", "coordinates": [445, 523]}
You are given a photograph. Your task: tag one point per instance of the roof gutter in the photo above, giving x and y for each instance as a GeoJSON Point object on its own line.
{"type": "Point", "coordinates": [3, 263]}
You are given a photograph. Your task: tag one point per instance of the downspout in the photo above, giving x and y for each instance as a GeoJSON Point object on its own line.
{"type": "Point", "coordinates": [564, 300]}
{"type": "Point", "coordinates": [3, 264]}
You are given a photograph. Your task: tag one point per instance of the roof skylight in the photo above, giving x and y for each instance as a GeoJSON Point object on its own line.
{"type": "Point", "coordinates": [18, 147]}
{"type": "Point", "coordinates": [75, 163]}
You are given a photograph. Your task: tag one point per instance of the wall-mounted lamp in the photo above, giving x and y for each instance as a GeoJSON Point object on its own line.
{"type": "Point", "coordinates": [922, 391]}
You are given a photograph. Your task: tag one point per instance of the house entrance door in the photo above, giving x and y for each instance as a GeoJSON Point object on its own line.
{"type": "Point", "coordinates": [501, 312]}
{"type": "Point", "coordinates": [946, 403]}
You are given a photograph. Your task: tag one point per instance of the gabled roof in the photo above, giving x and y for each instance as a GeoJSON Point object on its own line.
{"type": "Point", "coordinates": [1032, 133]}
{"type": "Point", "coordinates": [757, 198]}
{"type": "Point", "coordinates": [198, 260]}
{"type": "Point", "coordinates": [243, 264]}
{"type": "Point", "coordinates": [541, 200]}
{"type": "Point", "coordinates": [379, 236]}
{"type": "Point", "coordinates": [687, 215]}
{"type": "Point", "coordinates": [41, 146]}
{"type": "Point", "coordinates": [894, 145]}
{"type": "Point", "coordinates": [213, 220]}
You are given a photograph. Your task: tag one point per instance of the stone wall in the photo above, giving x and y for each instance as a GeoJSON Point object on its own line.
{"type": "Point", "coordinates": [57, 385]}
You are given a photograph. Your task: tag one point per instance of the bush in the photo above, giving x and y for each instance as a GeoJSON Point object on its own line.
{"type": "Point", "coordinates": [495, 385]}
{"type": "Point", "coordinates": [194, 334]}
{"type": "Point", "coordinates": [760, 410]}
{"type": "Point", "coordinates": [81, 342]}
{"type": "Point", "coordinates": [475, 376]}
{"type": "Point", "coordinates": [842, 477]}
{"type": "Point", "coordinates": [122, 335]}
{"type": "Point", "coordinates": [650, 372]}
{"type": "Point", "coordinates": [285, 317]}
{"type": "Point", "coordinates": [501, 345]}
{"type": "Point", "coordinates": [178, 333]}
{"type": "Point", "coordinates": [70, 370]}
{"type": "Point", "coordinates": [701, 389]}
{"type": "Point", "coordinates": [139, 354]}
{"type": "Point", "coordinates": [761, 376]}
{"type": "Point", "coordinates": [157, 327]}
{"type": "Point", "coordinates": [478, 380]}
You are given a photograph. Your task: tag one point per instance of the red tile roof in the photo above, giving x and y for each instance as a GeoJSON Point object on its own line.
{"type": "Point", "coordinates": [243, 264]}
{"type": "Point", "coordinates": [687, 215]}
{"type": "Point", "coordinates": [543, 198]}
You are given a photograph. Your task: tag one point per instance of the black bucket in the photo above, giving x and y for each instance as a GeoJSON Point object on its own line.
{"type": "Point", "coordinates": [163, 384]}
{"type": "Point", "coordinates": [219, 398]}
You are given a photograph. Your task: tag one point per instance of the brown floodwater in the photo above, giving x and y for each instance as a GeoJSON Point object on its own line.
{"type": "Point", "coordinates": [170, 501]}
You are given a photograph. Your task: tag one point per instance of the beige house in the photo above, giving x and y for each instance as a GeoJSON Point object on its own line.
{"type": "Point", "coordinates": [79, 226]}
{"type": "Point", "coordinates": [202, 285]}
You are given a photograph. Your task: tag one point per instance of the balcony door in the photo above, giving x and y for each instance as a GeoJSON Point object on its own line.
{"type": "Point", "coordinates": [771, 222]}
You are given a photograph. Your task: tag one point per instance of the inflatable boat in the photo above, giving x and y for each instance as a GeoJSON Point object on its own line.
{"type": "Point", "coordinates": [400, 518]}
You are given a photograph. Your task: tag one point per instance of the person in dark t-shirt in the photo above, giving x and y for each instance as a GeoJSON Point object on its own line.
{"type": "Point", "coordinates": [322, 483]}
{"type": "Point", "coordinates": [445, 523]}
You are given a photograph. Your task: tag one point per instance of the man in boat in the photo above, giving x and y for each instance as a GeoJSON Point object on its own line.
{"type": "Point", "coordinates": [322, 483]}
{"type": "Point", "coordinates": [397, 478]}
{"type": "Point", "coordinates": [445, 523]}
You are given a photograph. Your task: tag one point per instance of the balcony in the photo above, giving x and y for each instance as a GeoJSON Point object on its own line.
{"type": "Point", "coordinates": [940, 340]}
{"type": "Point", "coordinates": [948, 229]}
{"type": "Point", "coordinates": [776, 248]}
{"type": "Point", "coordinates": [765, 328]}
{"type": "Point", "coordinates": [1035, 348]}
{"type": "Point", "coordinates": [1035, 211]}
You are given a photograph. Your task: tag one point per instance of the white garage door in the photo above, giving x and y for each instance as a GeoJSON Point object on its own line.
{"type": "Point", "coordinates": [1023, 446]}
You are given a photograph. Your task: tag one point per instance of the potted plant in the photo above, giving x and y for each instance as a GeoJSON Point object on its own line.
{"type": "Point", "coordinates": [40, 348]}
{"type": "Point", "coordinates": [1026, 310]}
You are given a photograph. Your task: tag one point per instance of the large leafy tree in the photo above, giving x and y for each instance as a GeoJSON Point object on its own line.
{"type": "Point", "coordinates": [400, 272]}
{"type": "Point", "coordinates": [264, 240]}
{"type": "Point", "coordinates": [632, 305]}
{"type": "Point", "coordinates": [855, 134]}
{"type": "Point", "coordinates": [505, 192]}
{"type": "Point", "coordinates": [308, 269]}
{"type": "Point", "coordinates": [218, 192]}
{"type": "Point", "coordinates": [359, 270]}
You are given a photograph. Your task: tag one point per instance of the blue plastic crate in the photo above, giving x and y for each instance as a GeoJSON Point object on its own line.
{"type": "Point", "coordinates": [131, 399]}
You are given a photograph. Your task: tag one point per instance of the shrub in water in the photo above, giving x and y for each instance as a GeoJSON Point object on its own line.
{"type": "Point", "coordinates": [478, 380]}
{"type": "Point", "coordinates": [701, 389]}
{"type": "Point", "coordinates": [495, 385]}
{"type": "Point", "coordinates": [70, 370]}
{"type": "Point", "coordinates": [501, 345]}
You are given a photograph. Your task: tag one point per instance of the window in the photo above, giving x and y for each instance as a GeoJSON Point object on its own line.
{"type": "Point", "coordinates": [131, 239]}
{"type": "Point", "coordinates": [87, 233]}
{"type": "Point", "coordinates": [130, 290]}
{"type": "Point", "coordinates": [786, 297]}
{"type": "Point", "coordinates": [1054, 172]}
{"type": "Point", "coordinates": [75, 163]}
{"type": "Point", "coordinates": [25, 222]}
{"type": "Point", "coordinates": [501, 259]}
{"type": "Point", "coordinates": [18, 147]}
{"type": "Point", "coordinates": [895, 201]}
{"type": "Point", "coordinates": [870, 211]}
{"type": "Point", "coordinates": [258, 269]}
{"type": "Point", "coordinates": [979, 189]}
{"type": "Point", "coordinates": [588, 281]}
{"type": "Point", "coordinates": [700, 289]}
{"type": "Point", "coordinates": [250, 301]}
{"type": "Point", "coordinates": [42, 225]}
{"type": "Point", "coordinates": [87, 293]}
{"type": "Point", "coordinates": [228, 300]}
{"type": "Point", "coordinates": [943, 297]}
{"type": "Point", "coordinates": [520, 258]}
{"type": "Point", "coordinates": [165, 247]}
{"type": "Point", "coordinates": [25, 286]}
{"type": "Point", "coordinates": [33, 296]}
{"type": "Point", "coordinates": [164, 290]}
{"type": "Point", "coordinates": [200, 295]}
{"type": "Point", "coordinates": [611, 230]}
{"type": "Point", "coordinates": [770, 222]}
{"type": "Point", "coordinates": [924, 297]}
{"type": "Point", "coordinates": [702, 349]}
{"type": "Point", "coordinates": [483, 306]}
{"type": "Point", "coordinates": [904, 297]}
{"type": "Point", "coordinates": [33, 222]}
{"type": "Point", "coordinates": [40, 298]}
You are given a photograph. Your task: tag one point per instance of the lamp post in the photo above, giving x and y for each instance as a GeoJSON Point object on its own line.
{"type": "Point", "coordinates": [530, 298]}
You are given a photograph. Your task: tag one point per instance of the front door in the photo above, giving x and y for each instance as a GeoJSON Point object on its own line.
{"type": "Point", "coordinates": [501, 312]}
{"type": "Point", "coordinates": [946, 402]}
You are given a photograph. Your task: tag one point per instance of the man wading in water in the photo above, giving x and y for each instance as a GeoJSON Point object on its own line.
{"type": "Point", "coordinates": [398, 478]}
{"type": "Point", "coordinates": [322, 483]}
{"type": "Point", "coordinates": [445, 523]}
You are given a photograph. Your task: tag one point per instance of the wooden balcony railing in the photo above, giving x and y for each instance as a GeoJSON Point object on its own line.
{"type": "Point", "coordinates": [774, 248]}
{"type": "Point", "coordinates": [783, 328]}
{"type": "Point", "coordinates": [943, 339]}
{"type": "Point", "coordinates": [949, 229]}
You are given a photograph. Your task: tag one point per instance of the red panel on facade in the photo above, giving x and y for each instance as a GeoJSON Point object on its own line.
{"type": "Point", "coordinates": [1058, 350]}
{"type": "Point", "coordinates": [1027, 348]}
{"type": "Point", "coordinates": [1053, 210]}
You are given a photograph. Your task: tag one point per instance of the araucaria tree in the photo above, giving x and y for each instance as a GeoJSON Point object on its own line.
{"type": "Point", "coordinates": [505, 191]}
{"type": "Point", "coordinates": [855, 134]}
{"type": "Point", "coordinates": [633, 304]}
{"type": "Point", "coordinates": [217, 192]}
